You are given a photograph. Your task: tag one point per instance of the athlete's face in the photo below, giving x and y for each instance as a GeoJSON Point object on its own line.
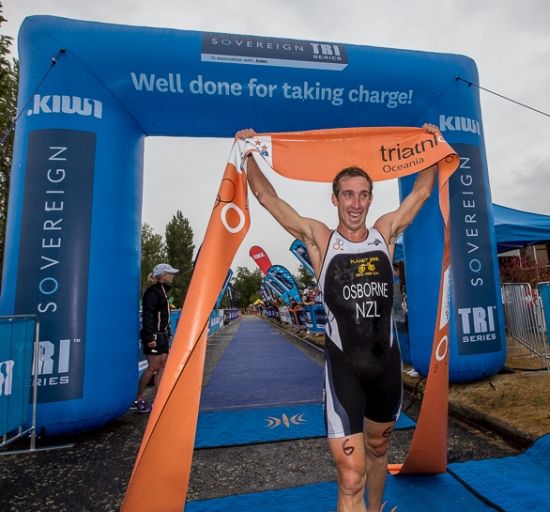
{"type": "Point", "coordinates": [353, 202]}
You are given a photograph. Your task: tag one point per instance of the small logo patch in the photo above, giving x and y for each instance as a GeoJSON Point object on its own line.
{"type": "Point", "coordinates": [296, 419]}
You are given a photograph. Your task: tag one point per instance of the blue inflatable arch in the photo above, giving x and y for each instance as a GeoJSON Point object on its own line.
{"type": "Point", "coordinates": [73, 239]}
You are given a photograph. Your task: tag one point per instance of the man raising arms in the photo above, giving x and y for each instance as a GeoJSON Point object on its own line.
{"type": "Point", "coordinates": [353, 266]}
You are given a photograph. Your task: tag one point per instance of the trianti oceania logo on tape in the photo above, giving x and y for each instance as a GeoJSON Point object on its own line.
{"type": "Point", "coordinates": [270, 51]}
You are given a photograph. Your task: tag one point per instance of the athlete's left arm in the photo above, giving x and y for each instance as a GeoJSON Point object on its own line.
{"type": "Point", "coordinates": [394, 223]}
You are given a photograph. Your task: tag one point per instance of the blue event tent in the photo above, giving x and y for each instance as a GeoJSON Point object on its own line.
{"type": "Point", "coordinates": [516, 228]}
{"type": "Point", "coordinates": [513, 229]}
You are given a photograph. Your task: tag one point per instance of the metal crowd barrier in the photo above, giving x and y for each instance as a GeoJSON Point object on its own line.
{"type": "Point", "coordinates": [524, 317]}
{"type": "Point", "coordinates": [314, 317]}
{"type": "Point", "coordinates": [284, 315]}
{"type": "Point", "coordinates": [20, 355]}
{"type": "Point", "coordinates": [221, 317]}
{"type": "Point", "coordinates": [19, 352]}
{"type": "Point", "coordinates": [230, 314]}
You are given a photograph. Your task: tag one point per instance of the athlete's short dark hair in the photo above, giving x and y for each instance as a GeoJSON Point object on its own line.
{"type": "Point", "coordinates": [349, 172]}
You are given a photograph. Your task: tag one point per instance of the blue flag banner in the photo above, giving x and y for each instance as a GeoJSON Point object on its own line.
{"type": "Point", "coordinates": [280, 280]}
{"type": "Point", "coordinates": [224, 288]}
{"type": "Point", "coordinates": [16, 351]}
{"type": "Point", "coordinates": [265, 290]}
{"type": "Point", "coordinates": [299, 250]}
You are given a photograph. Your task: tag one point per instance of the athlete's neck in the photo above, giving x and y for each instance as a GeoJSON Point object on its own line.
{"type": "Point", "coordinates": [353, 235]}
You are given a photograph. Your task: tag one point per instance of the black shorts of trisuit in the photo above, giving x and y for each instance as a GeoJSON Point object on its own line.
{"type": "Point", "coordinates": [163, 345]}
{"type": "Point", "coordinates": [352, 394]}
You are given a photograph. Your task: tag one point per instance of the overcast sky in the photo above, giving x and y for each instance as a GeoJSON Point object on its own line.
{"type": "Point", "coordinates": [509, 40]}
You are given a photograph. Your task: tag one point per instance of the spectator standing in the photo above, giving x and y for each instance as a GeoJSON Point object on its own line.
{"type": "Point", "coordinates": [155, 331]}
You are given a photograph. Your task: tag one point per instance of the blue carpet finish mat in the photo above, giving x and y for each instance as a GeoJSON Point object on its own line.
{"type": "Point", "coordinates": [261, 368]}
{"type": "Point", "coordinates": [233, 427]}
{"type": "Point", "coordinates": [259, 425]}
{"type": "Point", "coordinates": [440, 493]}
{"type": "Point", "coordinates": [518, 483]}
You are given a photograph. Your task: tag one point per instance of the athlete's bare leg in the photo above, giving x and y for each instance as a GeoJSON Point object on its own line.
{"type": "Point", "coordinates": [349, 456]}
{"type": "Point", "coordinates": [361, 461]}
{"type": "Point", "coordinates": [377, 437]}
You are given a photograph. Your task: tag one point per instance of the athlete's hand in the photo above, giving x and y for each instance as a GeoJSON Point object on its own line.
{"type": "Point", "coordinates": [245, 134]}
{"type": "Point", "coordinates": [152, 344]}
{"type": "Point", "coordinates": [430, 128]}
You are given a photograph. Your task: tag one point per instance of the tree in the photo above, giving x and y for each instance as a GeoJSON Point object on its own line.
{"type": "Point", "coordinates": [9, 74]}
{"type": "Point", "coordinates": [245, 286]}
{"type": "Point", "coordinates": [179, 249]}
{"type": "Point", "coordinates": [523, 270]}
{"type": "Point", "coordinates": [304, 277]}
{"type": "Point", "coordinates": [153, 251]}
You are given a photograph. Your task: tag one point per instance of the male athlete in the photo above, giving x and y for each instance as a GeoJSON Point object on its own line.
{"type": "Point", "coordinates": [353, 265]}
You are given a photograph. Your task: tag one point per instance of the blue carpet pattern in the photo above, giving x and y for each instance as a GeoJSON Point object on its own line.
{"type": "Point", "coordinates": [261, 368]}
{"type": "Point", "coordinates": [518, 483]}
{"type": "Point", "coordinates": [410, 493]}
{"type": "Point", "coordinates": [234, 427]}
{"type": "Point", "coordinates": [264, 389]}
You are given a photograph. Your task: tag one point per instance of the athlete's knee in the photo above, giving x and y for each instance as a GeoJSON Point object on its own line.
{"type": "Point", "coordinates": [377, 446]}
{"type": "Point", "coordinates": [351, 480]}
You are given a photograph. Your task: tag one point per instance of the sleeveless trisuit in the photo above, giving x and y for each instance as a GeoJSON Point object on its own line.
{"type": "Point", "coordinates": [362, 360]}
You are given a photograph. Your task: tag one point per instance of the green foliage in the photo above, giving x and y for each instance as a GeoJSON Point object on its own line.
{"type": "Point", "coordinates": [179, 251]}
{"type": "Point", "coordinates": [153, 251]}
{"type": "Point", "coordinates": [9, 75]}
{"type": "Point", "coordinates": [304, 277]}
{"type": "Point", "coordinates": [245, 286]}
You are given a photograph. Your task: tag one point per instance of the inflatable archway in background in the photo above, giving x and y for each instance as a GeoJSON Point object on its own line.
{"type": "Point", "coordinates": [73, 239]}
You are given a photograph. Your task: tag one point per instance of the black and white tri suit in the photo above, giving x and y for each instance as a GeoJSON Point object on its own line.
{"type": "Point", "coordinates": [362, 359]}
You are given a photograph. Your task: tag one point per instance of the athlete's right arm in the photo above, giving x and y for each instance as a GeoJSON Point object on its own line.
{"type": "Point", "coordinates": [313, 233]}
